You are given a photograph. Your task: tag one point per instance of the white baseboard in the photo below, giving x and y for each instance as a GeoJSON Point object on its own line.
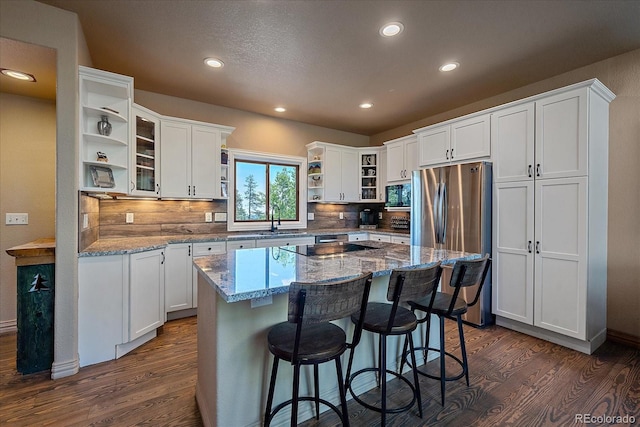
{"type": "Point", "coordinates": [65, 369]}
{"type": "Point", "coordinates": [8, 326]}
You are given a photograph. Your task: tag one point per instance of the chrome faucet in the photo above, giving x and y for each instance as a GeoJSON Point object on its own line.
{"type": "Point", "coordinates": [273, 227]}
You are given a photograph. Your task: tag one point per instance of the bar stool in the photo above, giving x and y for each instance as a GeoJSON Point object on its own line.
{"type": "Point", "coordinates": [465, 273]}
{"type": "Point", "coordinates": [309, 337]}
{"type": "Point", "coordinates": [392, 319]}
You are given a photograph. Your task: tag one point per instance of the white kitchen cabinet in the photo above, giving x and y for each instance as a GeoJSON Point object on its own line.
{"type": "Point", "coordinates": [550, 216]}
{"type": "Point", "coordinates": [454, 142]}
{"type": "Point", "coordinates": [401, 240]}
{"type": "Point", "coordinates": [191, 159]}
{"type": "Point", "coordinates": [144, 168]}
{"type": "Point", "coordinates": [380, 237]}
{"type": "Point", "coordinates": [103, 282]}
{"type": "Point", "coordinates": [146, 292]}
{"type": "Point", "coordinates": [178, 277]}
{"type": "Point", "coordinates": [357, 237]}
{"type": "Point", "coordinates": [512, 143]}
{"type": "Point", "coordinates": [333, 173]}
{"type": "Point", "coordinates": [401, 158]}
{"type": "Point", "coordinates": [105, 112]}
{"type": "Point", "coordinates": [369, 175]}
{"type": "Point", "coordinates": [382, 180]}
{"type": "Point", "coordinates": [285, 241]}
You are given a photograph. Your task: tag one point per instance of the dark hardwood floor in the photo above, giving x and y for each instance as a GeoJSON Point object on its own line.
{"type": "Point", "coordinates": [516, 380]}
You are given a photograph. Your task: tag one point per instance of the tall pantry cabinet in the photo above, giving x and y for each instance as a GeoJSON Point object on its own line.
{"type": "Point", "coordinates": [550, 215]}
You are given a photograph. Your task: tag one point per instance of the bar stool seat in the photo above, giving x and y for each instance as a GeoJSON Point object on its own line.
{"type": "Point", "coordinates": [319, 343]}
{"type": "Point", "coordinates": [378, 314]}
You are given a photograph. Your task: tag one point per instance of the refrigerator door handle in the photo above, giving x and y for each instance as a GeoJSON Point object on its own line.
{"type": "Point", "coordinates": [436, 214]}
{"type": "Point", "coordinates": [444, 202]}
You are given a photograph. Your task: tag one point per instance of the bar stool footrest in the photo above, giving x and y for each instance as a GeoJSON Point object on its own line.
{"type": "Point", "coordinates": [437, 377]}
{"type": "Point", "coordinates": [376, 408]}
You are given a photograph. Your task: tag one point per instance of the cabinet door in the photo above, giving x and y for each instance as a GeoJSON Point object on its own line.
{"type": "Point", "coordinates": [349, 167]}
{"type": "Point", "coordinates": [560, 259]}
{"type": "Point", "coordinates": [513, 230]}
{"type": "Point", "coordinates": [410, 157]}
{"type": "Point", "coordinates": [471, 138]}
{"type": "Point", "coordinates": [145, 154]}
{"type": "Point", "coordinates": [175, 162]}
{"type": "Point", "coordinates": [395, 162]}
{"type": "Point", "coordinates": [382, 174]}
{"type": "Point", "coordinates": [333, 174]}
{"type": "Point", "coordinates": [205, 143]}
{"type": "Point", "coordinates": [434, 146]}
{"type": "Point", "coordinates": [561, 135]}
{"type": "Point", "coordinates": [178, 277]}
{"type": "Point", "coordinates": [146, 292]}
{"type": "Point", "coordinates": [512, 140]}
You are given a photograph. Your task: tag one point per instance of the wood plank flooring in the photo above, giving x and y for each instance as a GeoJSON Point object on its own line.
{"type": "Point", "coordinates": [516, 380]}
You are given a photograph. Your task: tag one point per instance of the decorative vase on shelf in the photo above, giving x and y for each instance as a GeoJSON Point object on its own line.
{"type": "Point", "coordinates": [104, 127]}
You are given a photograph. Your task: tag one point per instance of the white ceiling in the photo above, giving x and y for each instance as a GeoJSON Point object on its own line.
{"type": "Point", "coordinates": [321, 59]}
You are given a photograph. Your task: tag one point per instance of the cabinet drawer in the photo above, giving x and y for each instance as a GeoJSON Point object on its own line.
{"type": "Point", "coordinates": [285, 241]}
{"type": "Point", "coordinates": [380, 237]}
{"type": "Point", "coordinates": [240, 244]}
{"type": "Point", "coordinates": [358, 237]}
{"type": "Point", "coordinates": [209, 248]}
{"type": "Point", "coordinates": [401, 240]}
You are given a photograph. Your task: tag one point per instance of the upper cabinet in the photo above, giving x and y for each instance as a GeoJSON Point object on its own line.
{"type": "Point", "coordinates": [145, 153]}
{"type": "Point", "coordinates": [457, 141]}
{"type": "Point", "coordinates": [401, 158]}
{"type": "Point", "coordinates": [370, 173]}
{"type": "Point", "coordinates": [512, 141]}
{"type": "Point", "coordinates": [191, 160]}
{"type": "Point", "coordinates": [105, 112]}
{"type": "Point", "coordinates": [332, 173]}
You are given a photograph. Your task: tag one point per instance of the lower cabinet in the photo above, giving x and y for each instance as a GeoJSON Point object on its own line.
{"type": "Point", "coordinates": [357, 237]}
{"type": "Point", "coordinates": [178, 274]}
{"type": "Point", "coordinates": [401, 240]}
{"type": "Point", "coordinates": [380, 237]}
{"type": "Point", "coordinates": [120, 303]}
{"type": "Point", "coordinates": [285, 241]}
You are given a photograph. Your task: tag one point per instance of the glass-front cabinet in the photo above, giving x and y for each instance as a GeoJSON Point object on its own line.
{"type": "Point", "coordinates": [145, 156]}
{"type": "Point", "coordinates": [369, 175]}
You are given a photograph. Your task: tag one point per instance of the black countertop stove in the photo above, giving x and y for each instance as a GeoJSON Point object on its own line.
{"type": "Point", "coordinates": [322, 249]}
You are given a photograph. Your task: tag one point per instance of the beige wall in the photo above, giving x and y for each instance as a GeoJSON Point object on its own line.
{"type": "Point", "coordinates": [621, 74]}
{"type": "Point", "coordinates": [27, 183]}
{"type": "Point", "coordinates": [253, 131]}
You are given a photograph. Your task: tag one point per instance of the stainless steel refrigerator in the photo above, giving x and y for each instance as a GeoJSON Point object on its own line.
{"type": "Point", "coordinates": [451, 209]}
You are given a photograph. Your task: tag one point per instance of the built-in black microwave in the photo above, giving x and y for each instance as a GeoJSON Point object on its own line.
{"type": "Point", "coordinates": [398, 196]}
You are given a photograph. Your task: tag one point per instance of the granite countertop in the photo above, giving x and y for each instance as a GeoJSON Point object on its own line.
{"type": "Point", "coordinates": [273, 269]}
{"type": "Point", "coordinates": [129, 245]}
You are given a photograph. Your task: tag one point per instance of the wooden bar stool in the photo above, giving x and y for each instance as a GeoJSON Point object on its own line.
{"type": "Point", "coordinates": [392, 319]}
{"type": "Point", "coordinates": [452, 306]}
{"type": "Point", "coordinates": [309, 337]}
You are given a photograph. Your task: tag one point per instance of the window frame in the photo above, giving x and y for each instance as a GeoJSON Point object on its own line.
{"type": "Point", "coordinates": [259, 157]}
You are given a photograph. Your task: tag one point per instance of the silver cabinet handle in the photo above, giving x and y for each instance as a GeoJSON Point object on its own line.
{"type": "Point", "coordinates": [529, 171]}
{"type": "Point", "coordinates": [188, 190]}
{"type": "Point", "coordinates": [133, 186]}
{"type": "Point", "coordinates": [194, 190]}
{"type": "Point", "coordinates": [529, 246]}
{"type": "Point", "coordinates": [157, 188]}
{"type": "Point", "coordinates": [537, 247]}
{"type": "Point", "coordinates": [452, 154]}
{"type": "Point", "coordinates": [447, 155]}
{"type": "Point", "coordinates": [538, 169]}
{"type": "Point", "coordinates": [162, 262]}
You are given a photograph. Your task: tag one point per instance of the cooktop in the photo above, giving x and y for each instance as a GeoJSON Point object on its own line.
{"type": "Point", "coordinates": [326, 248]}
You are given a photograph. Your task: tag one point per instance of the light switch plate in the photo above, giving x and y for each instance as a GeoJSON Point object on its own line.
{"type": "Point", "coordinates": [85, 221]}
{"type": "Point", "coordinates": [341, 215]}
{"type": "Point", "coordinates": [17, 219]}
{"type": "Point", "coordinates": [220, 216]}
{"type": "Point", "coordinates": [311, 216]}
{"type": "Point", "coordinates": [208, 216]}
{"type": "Point", "coordinates": [129, 218]}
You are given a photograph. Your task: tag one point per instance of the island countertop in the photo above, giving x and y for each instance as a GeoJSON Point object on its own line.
{"type": "Point", "coordinates": [259, 272]}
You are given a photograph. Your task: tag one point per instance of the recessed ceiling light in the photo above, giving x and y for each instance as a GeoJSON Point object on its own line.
{"type": "Point", "coordinates": [280, 109]}
{"type": "Point", "coordinates": [18, 75]}
{"type": "Point", "coordinates": [450, 66]}
{"type": "Point", "coordinates": [366, 105]}
{"type": "Point", "coordinates": [391, 29]}
{"type": "Point", "coordinates": [214, 62]}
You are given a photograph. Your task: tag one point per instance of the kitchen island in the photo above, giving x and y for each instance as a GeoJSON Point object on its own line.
{"type": "Point", "coordinates": [242, 293]}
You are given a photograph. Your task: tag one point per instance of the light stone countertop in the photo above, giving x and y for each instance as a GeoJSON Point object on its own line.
{"type": "Point", "coordinates": [130, 245]}
{"type": "Point", "coordinates": [259, 272]}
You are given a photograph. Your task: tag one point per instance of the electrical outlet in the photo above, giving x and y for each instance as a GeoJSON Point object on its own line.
{"type": "Point", "coordinates": [341, 215]}
{"type": "Point", "coordinates": [208, 216]}
{"type": "Point", "coordinates": [220, 216]}
{"type": "Point", "coordinates": [85, 221]}
{"type": "Point", "coordinates": [379, 215]}
{"type": "Point", "coordinates": [17, 219]}
{"type": "Point", "coordinates": [311, 216]}
{"type": "Point", "coordinates": [129, 218]}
